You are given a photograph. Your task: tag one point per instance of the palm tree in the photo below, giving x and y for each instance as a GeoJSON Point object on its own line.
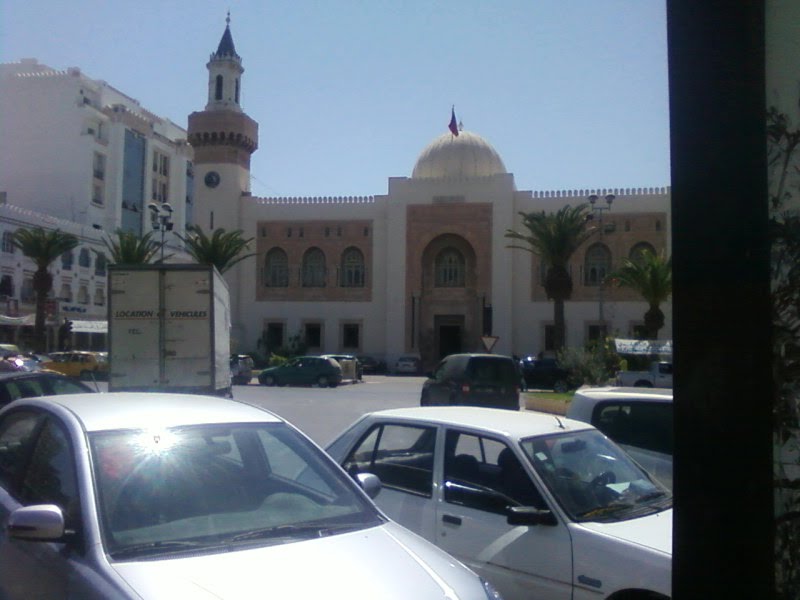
{"type": "Point", "coordinates": [42, 247]}
{"type": "Point", "coordinates": [222, 249]}
{"type": "Point", "coordinates": [650, 275]}
{"type": "Point", "coordinates": [555, 237]}
{"type": "Point", "coordinates": [131, 249]}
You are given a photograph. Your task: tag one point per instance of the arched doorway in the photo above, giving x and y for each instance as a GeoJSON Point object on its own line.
{"type": "Point", "coordinates": [449, 308]}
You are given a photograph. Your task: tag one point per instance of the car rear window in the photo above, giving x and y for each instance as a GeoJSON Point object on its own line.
{"type": "Point", "coordinates": [492, 370]}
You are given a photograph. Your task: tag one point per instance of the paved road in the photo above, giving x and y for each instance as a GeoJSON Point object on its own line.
{"type": "Point", "coordinates": [323, 412]}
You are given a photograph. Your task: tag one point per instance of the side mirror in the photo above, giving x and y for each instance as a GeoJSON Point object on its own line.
{"type": "Point", "coordinates": [528, 515]}
{"type": "Point", "coordinates": [41, 522]}
{"type": "Point", "coordinates": [370, 483]}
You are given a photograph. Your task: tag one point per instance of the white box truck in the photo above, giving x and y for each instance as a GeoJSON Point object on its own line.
{"type": "Point", "coordinates": [169, 329]}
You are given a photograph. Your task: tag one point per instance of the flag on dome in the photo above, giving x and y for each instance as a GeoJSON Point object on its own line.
{"type": "Point", "coordinates": [453, 124]}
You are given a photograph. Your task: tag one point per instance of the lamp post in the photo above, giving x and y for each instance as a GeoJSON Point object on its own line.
{"type": "Point", "coordinates": [597, 211]}
{"type": "Point", "coordinates": [161, 218]}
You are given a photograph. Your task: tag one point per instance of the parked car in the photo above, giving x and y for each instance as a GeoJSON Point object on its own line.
{"type": "Point", "coordinates": [658, 375]}
{"type": "Point", "coordinates": [29, 384]}
{"type": "Point", "coordinates": [82, 364]}
{"type": "Point", "coordinates": [542, 506]}
{"type": "Point", "coordinates": [544, 373]}
{"type": "Point", "coordinates": [408, 365]}
{"type": "Point", "coordinates": [351, 366]}
{"type": "Point", "coordinates": [138, 495]}
{"type": "Point", "coordinates": [303, 370]}
{"type": "Point", "coordinates": [241, 369]}
{"type": "Point", "coordinates": [638, 419]}
{"type": "Point", "coordinates": [371, 365]}
{"type": "Point", "coordinates": [473, 379]}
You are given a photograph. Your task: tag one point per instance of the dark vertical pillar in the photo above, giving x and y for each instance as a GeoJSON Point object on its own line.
{"type": "Point", "coordinates": [723, 532]}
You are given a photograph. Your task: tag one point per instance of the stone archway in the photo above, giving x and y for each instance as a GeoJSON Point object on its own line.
{"type": "Point", "coordinates": [449, 304]}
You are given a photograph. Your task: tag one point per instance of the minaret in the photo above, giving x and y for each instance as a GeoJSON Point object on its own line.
{"type": "Point", "coordinates": [223, 138]}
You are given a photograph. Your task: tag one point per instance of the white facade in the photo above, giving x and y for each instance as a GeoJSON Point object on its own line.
{"type": "Point", "coordinates": [459, 197]}
{"type": "Point", "coordinates": [82, 157]}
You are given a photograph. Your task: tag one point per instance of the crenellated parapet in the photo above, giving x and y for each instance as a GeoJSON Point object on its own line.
{"type": "Point", "coordinates": [317, 200]}
{"type": "Point", "coordinates": [646, 191]}
{"type": "Point", "coordinates": [223, 136]}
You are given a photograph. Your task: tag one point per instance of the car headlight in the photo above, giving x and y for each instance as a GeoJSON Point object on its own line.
{"type": "Point", "coordinates": [490, 590]}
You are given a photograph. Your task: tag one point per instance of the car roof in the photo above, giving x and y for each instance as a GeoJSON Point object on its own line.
{"type": "Point", "coordinates": [6, 375]}
{"type": "Point", "coordinates": [626, 393]}
{"type": "Point", "coordinates": [146, 410]}
{"type": "Point", "coordinates": [513, 424]}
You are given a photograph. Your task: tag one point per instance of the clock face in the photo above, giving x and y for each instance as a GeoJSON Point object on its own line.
{"type": "Point", "coordinates": [212, 179]}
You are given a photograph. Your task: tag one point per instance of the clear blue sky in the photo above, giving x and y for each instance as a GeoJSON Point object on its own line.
{"type": "Point", "coordinates": [571, 93]}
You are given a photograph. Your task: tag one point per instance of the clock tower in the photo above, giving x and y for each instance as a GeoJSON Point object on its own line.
{"type": "Point", "coordinates": [223, 138]}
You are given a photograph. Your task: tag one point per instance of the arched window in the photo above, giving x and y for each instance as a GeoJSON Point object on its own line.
{"type": "Point", "coordinates": [449, 268]}
{"type": "Point", "coordinates": [66, 260]}
{"type": "Point", "coordinates": [638, 249]}
{"type": "Point", "coordinates": [100, 264]}
{"type": "Point", "coordinates": [276, 269]}
{"type": "Point", "coordinates": [352, 268]}
{"type": "Point", "coordinates": [99, 297]}
{"type": "Point", "coordinates": [597, 264]}
{"type": "Point", "coordinates": [66, 292]}
{"type": "Point", "coordinates": [237, 90]}
{"type": "Point", "coordinates": [314, 268]}
{"type": "Point", "coordinates": [8, 245]}
{"type": "Point", "coordinates": [83, 294]}
{"type": "Point", "coordinates": [218, 88]}
{"type": "Point", "coordinates": [83, 258]}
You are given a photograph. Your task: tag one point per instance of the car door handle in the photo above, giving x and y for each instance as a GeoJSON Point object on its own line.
{"type": "Point", "coordinates": [453, 520]}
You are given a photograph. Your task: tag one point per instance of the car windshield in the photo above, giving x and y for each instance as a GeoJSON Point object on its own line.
{"type": "Point", "coordinates": [211, 487]}
{"type": "Point", "coordinates": [593, 479]}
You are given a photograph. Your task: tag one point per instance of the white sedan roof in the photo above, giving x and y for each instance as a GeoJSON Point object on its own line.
{"type": "Point", "coordinates": [512, 424]}
{"type": "Point", "coordinates": [146, 410]}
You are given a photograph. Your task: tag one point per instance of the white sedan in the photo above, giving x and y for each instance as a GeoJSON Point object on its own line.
{"type": "Point", "coordinates": [154, 496]}
{"type": "Point", "coordinates": [542, 506]}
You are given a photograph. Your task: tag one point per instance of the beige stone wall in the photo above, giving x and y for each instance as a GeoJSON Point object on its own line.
{"type": "Point", "coordinates": [333, 237]}
{"type": "Point", "coordinates": [627, 230]}
{"type": "Point", "coordinates": [429, 229]}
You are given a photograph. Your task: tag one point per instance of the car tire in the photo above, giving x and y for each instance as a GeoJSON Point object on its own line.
{"type": "Point", "coordinates": [270, 381]}
{"type": "Point", "coordinates": [560, 386]}
{"type": "Point", "coordinates": [323, 381]}
{"type": "Point", "coordinates": [332, 384]}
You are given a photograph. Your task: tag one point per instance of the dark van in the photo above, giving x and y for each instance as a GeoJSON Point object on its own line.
{"type": "Point", "coordinates": [490, 380]}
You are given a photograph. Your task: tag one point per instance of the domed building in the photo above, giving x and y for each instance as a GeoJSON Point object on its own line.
{"type": "Point", "coordinates": [424, 269]}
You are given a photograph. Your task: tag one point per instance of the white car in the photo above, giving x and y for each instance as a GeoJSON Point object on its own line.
{"type": "Point", "coordinates": [638, 419]}
{"type": "Point", "coordinates": [151, 496]}
{"type": "Point", "coordinates": [542, 506]}
{"type": "Point", "coordinates": [408, 365]}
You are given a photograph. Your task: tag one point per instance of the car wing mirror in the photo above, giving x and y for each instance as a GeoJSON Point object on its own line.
{"type": "Point", "coordinates": [370, 483]}
{"type": "Point", "coordinates": [40, 522]}
{"type": "Point", "coordinates": [529, 515]}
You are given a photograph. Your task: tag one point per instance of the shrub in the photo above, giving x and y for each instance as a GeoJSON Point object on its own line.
{"type": "Point", "coordinates": [593, 365]}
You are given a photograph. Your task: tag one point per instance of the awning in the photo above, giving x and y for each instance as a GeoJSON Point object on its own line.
{"type": "Point", "coordinates": [89, 326]}
{"type": "Point", "coordinates": [643, 346]}
{"type": "Point", "coordinates": [26, 320]}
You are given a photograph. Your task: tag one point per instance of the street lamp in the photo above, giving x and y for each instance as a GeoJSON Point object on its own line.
{"type": "Point", "coordinates": [598, 210]}
{"type": "Point", "coordinates": [161, 218]}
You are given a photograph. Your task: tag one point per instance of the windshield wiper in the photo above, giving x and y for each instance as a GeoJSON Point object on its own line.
{"type": "Point", "coordinates": [650, 496]}
{"type": "Point", "coordinates": [280, 531]}
{"type": "Point", "coordinates": [605, 510]}
{"type": "Point", "coordinates": [153, 548]}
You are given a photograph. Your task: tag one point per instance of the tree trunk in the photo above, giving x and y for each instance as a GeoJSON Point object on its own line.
{"type": "Point", "coordinates": [559, 333]}
{"type": "Point", "coordinates": [42, 283]}
{"type": "Point", "coordinates": [653, 321]}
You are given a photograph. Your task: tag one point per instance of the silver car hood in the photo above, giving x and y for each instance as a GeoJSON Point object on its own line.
{"type": "Point", "coordinates": [380, 563]}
